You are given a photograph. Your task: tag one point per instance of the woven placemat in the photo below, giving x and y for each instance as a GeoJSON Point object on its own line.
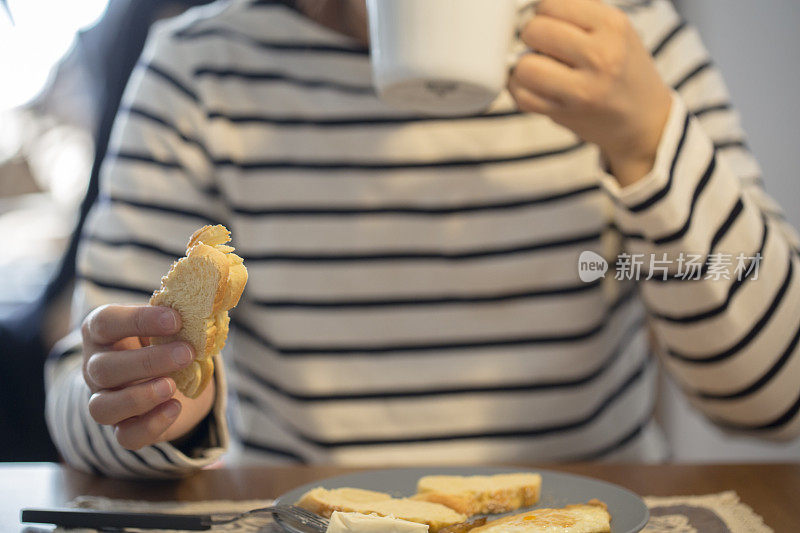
{"type": "Point", "coordinates": [711, 513]}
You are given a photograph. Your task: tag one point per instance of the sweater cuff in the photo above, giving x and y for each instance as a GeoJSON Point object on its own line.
{"type": "Point", "coordinates": [686, 183]}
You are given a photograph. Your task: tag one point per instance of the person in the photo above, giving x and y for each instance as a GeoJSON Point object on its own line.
{"type": "Point", "coordinates": [414, 293]}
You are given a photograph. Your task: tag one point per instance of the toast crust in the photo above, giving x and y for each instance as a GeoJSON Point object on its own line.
{"type": "Point", "coordinates": [202, 287]}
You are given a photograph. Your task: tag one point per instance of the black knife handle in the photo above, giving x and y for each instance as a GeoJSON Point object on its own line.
{"type": "Point", "coordinates": [90, 518]}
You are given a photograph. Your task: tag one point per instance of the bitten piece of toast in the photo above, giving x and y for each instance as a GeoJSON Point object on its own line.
{"type": "Point", "coordinates": [324, 502]}
{"type": "Point", "coordinates": [471, 495]}
{"type": "Point", "coordinates": [202, 287]}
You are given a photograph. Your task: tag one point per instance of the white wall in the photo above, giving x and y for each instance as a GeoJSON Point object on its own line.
{"type": "Point", "coordinates": [756, 43]}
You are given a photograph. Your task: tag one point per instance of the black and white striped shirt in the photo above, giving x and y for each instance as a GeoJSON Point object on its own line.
{"type": "Point", "coordinates": [413, 293]}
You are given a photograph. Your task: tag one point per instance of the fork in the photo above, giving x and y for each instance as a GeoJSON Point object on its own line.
{"type": "Point", "coordinates": [309, 522]}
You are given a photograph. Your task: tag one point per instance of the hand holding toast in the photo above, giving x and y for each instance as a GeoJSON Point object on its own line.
{"type": "Point", "coordinates": [160, 388]}
{"type": "Point", "coordinates": [128, 380]}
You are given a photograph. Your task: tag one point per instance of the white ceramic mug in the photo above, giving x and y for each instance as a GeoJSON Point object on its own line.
{"type": "Point", "coordinates": [444, 57]}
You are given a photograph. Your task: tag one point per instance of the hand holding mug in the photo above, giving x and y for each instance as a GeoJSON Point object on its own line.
{"type": "Point", "coordinates": [591, 73]}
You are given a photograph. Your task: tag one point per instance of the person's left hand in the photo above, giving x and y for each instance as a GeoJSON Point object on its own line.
{"type": "Point", "coordinates": [591, 73]}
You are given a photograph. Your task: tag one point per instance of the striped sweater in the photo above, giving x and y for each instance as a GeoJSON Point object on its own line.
{"type": "Point", "coordinates": [414, 294]}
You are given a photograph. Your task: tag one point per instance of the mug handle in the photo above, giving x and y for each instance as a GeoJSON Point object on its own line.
{"type": "Point", "coordinates": [525, 12]}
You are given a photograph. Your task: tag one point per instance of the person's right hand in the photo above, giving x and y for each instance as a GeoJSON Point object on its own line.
{"type": "Point", "coordinates": [128, 380]}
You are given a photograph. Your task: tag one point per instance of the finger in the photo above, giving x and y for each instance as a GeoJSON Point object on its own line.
{"type": "Point", "coordinates": [587, 14]}
{"type": "Point", "coordinates": [108, 324]}
{"type": "Point", "coordinates": [529, 102]}
{"type": "Point", "coordinates": [546, 77]}
{"type": "Point", "coordinates": [128, 343]}
{"type": "Point", "coordinates": [141, 431]}
{"type": "Point", "coordinates": [558, 39]}
{"type": "Point", "coordinates": [112, 369]}
{"type": "Point", "coordinates": [113, 406]}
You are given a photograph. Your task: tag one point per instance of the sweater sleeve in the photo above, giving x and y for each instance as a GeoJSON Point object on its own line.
{"type": "Point", "coordinates": [156, 188]}
{"type": "Point", "coordinates": [724, 289]}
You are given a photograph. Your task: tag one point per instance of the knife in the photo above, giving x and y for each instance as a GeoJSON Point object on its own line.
{"type": "Point", "coordinates": [89, 518]}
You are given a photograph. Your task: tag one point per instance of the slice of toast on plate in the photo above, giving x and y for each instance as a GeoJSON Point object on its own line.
{"type": "Point", "coordinates": [324, 502]}
{"type": "Point", "coordinates": [471, 495]}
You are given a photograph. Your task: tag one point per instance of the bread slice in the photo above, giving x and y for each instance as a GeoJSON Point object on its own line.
{"type": "Point", "coordinates": [202, 287]}
{"type": "Point", "coordinates": [591, 517]}
{"type": "Point", "coordinates": [471, 495]}
{"type": "Point", "coordinates": [324, 502]}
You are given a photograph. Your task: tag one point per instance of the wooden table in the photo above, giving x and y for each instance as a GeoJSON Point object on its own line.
{"type": "Point", "coordinates": [773, 490]}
